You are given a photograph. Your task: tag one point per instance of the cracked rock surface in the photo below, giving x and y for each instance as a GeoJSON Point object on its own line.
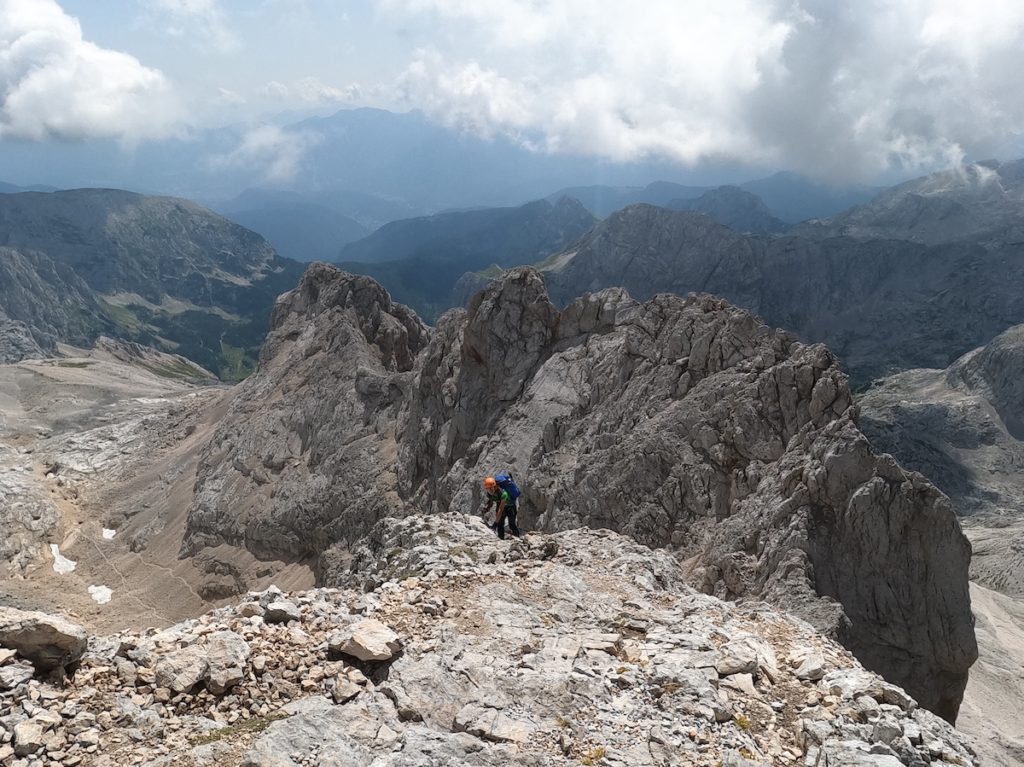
{"type": "Point", "coordinates": [576, 648]}
{"type": "Point", "coordinates": [682, 422]}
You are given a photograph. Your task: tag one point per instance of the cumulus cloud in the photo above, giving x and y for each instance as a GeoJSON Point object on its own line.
{"type": "Point", "coordinates": [55, 84]}
{"type": "Point", "coordinates": [275, 153]}
{"type": "Point", "coordinates": [835, 89]}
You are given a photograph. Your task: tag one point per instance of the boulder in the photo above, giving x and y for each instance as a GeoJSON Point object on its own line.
{"type": "Point", "coordinates": [183, 669]}
{"type": "Point", "coordinates": [367, 640]}
{"type": "Point", "coordinates": [48, 641]}
{"type": "Point", "coordinates": [28, 737]}
{"type": "Point", "coordinates": [282, 611]}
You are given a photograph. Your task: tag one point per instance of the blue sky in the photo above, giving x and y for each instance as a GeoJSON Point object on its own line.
{"type": "Point", "coordinates": [841, 91]}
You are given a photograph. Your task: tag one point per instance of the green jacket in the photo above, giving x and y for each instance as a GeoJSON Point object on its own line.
{"type": "Point", "coordinates": [501, 495]}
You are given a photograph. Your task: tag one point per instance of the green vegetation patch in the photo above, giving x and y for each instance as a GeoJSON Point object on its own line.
{"type": "Point", "coordinates": [177, 369]}
{"type": "Point", "coordinates": [257, 724]}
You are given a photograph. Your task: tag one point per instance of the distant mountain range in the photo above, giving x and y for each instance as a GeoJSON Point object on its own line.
{"type": "Point", "coordinates": [788, 197]}
{"type": "Point", "coordinates": [161, 271]}
{"type": "Point", "coordinates": [735, 208]}
{"type": "Point", "coordinates": [420, 260]}
{"type": "Point", "coordinates": [883, 300]}
{"type": "Point", "coordinates": [297, 226]}
{"type": "Point", "coordinates": [6, 188]}
{"type": "Point", "coordinates": [921, 274]}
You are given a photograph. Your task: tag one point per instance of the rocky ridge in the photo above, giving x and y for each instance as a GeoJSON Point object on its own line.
{"type": "Point", "coordinates": [735, 208]}
{"type": "Point", "coordinates": [450, 647]}
{"type": "Point", "coordinates": [962, 426]}
{"type": "Point", "coordinates": [161, 271]}
{"type": "Point", "coordinates": [680, 422]}
{"type": "Point", "coordinates": [287, 482]}
{"type": "Point", "coordinates": [881, 305]}
{"type": "Point", "coordinates": [974, 201]}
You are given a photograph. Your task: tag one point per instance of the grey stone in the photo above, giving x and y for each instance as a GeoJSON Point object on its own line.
{"type": "Point", "coordinates": [702, 429]}
{"type": "Point", "coordinates": [181, 670]}
{"type": "Point", "coordinates": [282, 611]}
{"type": "Point", "coordinates": [48, 641]}
{"type": "Point", "coordinates": [28, 737]}
{"type": "Point", "coordinates": [367, 640]}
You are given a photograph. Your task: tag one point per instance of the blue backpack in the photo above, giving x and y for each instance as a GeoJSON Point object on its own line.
{"type": "Point", "coordinates": [506, 483]}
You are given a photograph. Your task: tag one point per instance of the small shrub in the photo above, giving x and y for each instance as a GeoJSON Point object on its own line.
{"type": "Point", "coordinates": [594, 755]}
{"type": "Point", "coordinates": [463, 551]}
{"type": "Point", "coordinates": [243, 725]}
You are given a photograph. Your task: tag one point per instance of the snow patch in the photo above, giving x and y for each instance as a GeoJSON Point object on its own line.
{"type": "Point", "coordinates": [61, 564]}
{"type": "Point", "coordinates": [109, 534]}
{"type": "Point", "coordinates": [100, 594]}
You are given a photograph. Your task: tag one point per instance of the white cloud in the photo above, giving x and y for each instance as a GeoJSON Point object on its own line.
{"type": "Point", "coordinates": [310, 90]}
{"type": "Point", "coordinates": [275, 153]}
{"type": "Point", "coordinates": [201, 19]}
{"type": "Point", "coordinates": [835, 89]}
{"type": "Point", "coordinates": [55, 84]}
{"type": "Point", "coordinates": [229, 97]}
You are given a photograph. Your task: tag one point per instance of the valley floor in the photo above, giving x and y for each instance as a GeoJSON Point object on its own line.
{"type": "Point", "coordinates": [98, 457]}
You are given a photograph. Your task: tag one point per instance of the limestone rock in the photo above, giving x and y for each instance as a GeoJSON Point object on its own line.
{"type": "Point", "coordinates": [686, 422]}
{"type": "Point", "coordinates": [368, 640]}
{"type": "Point", "coordinates": [48, 641]}
{"type": "Point", "coordinates": [577, 647]}
{"type": "Point", "coordinates": [226, 656]}
{"type": "Point", "coordinates": [28, 737]}
{"type": "Point", "coordinates": [336, 360]}
{"type": "Point", "coordinates": [681, 422]}
{"type": "Point", "coordinates": [282, 611]}
{"type": "Point", "coordinates": [183, 669]}
{"type": "Point", "coordinates": [15, 674]}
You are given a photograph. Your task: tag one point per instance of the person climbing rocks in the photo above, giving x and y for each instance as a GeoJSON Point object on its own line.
{"type": "Point", "coordinates": [502, 491]}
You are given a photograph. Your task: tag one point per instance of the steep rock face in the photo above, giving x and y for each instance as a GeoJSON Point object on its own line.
{"type": "Point", "coordinates": [16, 342]}
{"type": "Point", "coordinates": [49, 301]}
{"type": "Point", "coordinates": [962, 426]}
{"type": "Point", "coordinates": [680, 422]}
{"type": "Point", "coordinates": [881, 305]}
{"type": "Point", "coordinates": [687, 422]}
{"type": "Point", "coordinates": [995, 372]}
{"type": "Point", "coordinates": [305, 455]}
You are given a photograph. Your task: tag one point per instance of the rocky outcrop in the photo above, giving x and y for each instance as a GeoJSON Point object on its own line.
{"type": "Point", "coordinates": [48, 642]}
{"type": "Point", "coordinates": [881, 305]}
{"type": "Point", "coordinates": [996, 372]}
{"type": "Point", "coordinates": [686, 422]}
{"type": "Point", "coordinates": [680, 422]}
{"type": "Point", "coordinates": [317, 466]}
{"type": "Point", "coordinates": [16, 342]}
{"type": "Point", "coordinates": [963, 426]}
{"type": "Point", "coordinates": [582, 647]}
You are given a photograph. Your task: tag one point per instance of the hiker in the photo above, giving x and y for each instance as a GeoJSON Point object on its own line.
{"type": "Point", "coordinates": [502, 491]}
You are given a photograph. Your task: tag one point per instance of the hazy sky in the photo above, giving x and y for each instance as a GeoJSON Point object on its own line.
{"type": "Point", "coordinates": [842, 90]}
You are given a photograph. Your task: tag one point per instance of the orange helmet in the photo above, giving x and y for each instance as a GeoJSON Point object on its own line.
{"type": "Point", "coordinates": [491, 484]}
